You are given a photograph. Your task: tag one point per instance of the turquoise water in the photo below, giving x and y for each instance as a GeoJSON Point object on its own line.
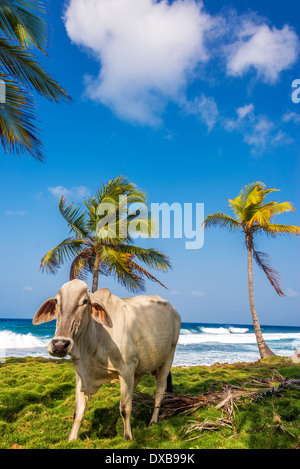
{"type": "Point", "coordinates": [199, 344]}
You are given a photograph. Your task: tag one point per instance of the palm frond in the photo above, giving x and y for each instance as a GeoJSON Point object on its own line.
{"type": "Point", "coordinates": [82, 264]}
{"type": "Point", "coordinates": [237, 207]}
{"type": "Point", "coordinates": [18, 132]}
{"type": "Point", "coordinates": [221, 220]}
{"type": "Point", "coordinates": [121, 191]}
{"type": "Point", "coordinates": [249, 194]}
{"type": "Point", "coordinates": [140, 225]}
{"type": "Point", "coordinates": [69, 248]}
{"type": "Point", "coordinates": [20, 20]}
{"type": "Point", "coordinates": [23, 66]}
{"type": "Point", "coordinates": [257, 215]}
{"type": "Point", "coordinates": [22, 29]}
{"type": "Point", "coordinates": [263, 261]}
{"type": "Point", "coordinates": [151, 257]}
{"type": "Point", "coordinates": [255, 195]}
{"type": "Point", "coordinates": [262, 214]}
{"type": "Point", "coordinates": [140, 270]}
{"type": "Point", "coordinates": [75, 218]}
{"type": "Point", "coordinates": [269, 191]}
{"type": "Point", "coordinates": [111, 214]}
{"type": "Point", "coordinates": [251, 190]}
{"type": "Point", "coordinates": [276, 208]}
{"type": "Point", "coordinates": [275, 229]}
{"type": "Point", "coordinates": [250, 201]}
{"type": "Point", "coordinates": [117, 264]}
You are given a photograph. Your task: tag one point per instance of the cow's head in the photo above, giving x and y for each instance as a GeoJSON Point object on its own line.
{"type": "Point", "coordinates": [73, 307]}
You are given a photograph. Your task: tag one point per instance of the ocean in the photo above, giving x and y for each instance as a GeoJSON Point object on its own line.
{"type": "Point", "coordinates": [199, 344]}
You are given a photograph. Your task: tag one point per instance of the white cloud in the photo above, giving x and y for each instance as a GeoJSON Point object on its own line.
{"type": "Point", "coordinates": [77, 192]}
{"type": "Point", "coordinates": [291, 293]}
{"type": "Point", "coordinates": [291, 117]}
{"type": "Point", "coordinates": [198, 293]}
{"type": "Point", "coordinates": [205, 107]}
{"type": "Point", "coordinates": [259, 131]}
{"type": "Point", "coordinates": [244, 111]}
{"type": "Point", "coordinates": [59, 191]}
{"type": "Point", "coordinates": [20, 213]}
{"type": "Point", "coordinates": [148, 51]}
{"type": "Point", "coordinates": [27, 288]}
{"type": "Point", "coordinates": [268, 50]}
{"type": "Point", "coordinates": [263, 134]}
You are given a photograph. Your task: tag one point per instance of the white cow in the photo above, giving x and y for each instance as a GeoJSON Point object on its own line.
{"type": "Point", "coordinates": [109, 338]}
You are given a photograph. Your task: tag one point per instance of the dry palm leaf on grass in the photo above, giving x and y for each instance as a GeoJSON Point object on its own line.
{"type": "Point", "coordinates": [180, 404]}
{"type": "Point", "coordinates": [223, 399]}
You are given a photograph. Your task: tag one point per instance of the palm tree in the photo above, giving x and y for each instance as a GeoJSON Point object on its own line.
{"type": "Point", "coordinates": [95, 249]}
{"type": "Point", "coordinates": [22, 29]}
{"type": "Point", "coordinates": [254, 216]}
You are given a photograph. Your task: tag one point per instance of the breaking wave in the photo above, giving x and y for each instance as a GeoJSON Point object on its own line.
{"type": "Point", "coordinates": [13, 340]}
{"type": "Point", "coordinates": [229, 335]}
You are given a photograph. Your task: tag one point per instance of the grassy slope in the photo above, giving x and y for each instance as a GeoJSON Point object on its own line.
{"type": "Point", "coordinates": [37, 405]}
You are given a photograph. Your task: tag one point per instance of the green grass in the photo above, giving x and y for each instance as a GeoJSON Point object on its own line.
{"type": "Point", "coordinates": [37, 404]}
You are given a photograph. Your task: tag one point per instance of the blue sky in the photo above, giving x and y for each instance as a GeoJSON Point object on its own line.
{"type": "Point", "coordinates": [191, 101]}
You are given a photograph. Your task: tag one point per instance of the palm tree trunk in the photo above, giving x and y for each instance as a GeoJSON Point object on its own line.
{"type": "Point", "coordinates": [96, 273]}
{"type": "Point", "coordinates": [264, 350]}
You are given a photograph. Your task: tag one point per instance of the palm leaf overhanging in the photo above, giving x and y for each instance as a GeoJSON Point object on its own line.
{"type": "Point", "coordinates": [22, 29]}
{"type": "Point", "coordinates": [99, 251]}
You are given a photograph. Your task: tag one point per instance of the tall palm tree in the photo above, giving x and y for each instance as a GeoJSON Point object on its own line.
{"type": "Point", "coordinates": [97, 250]}
{"type": "Point", "coordinates": [254, 216]}
{"type": "Point", "coordinates": [22, 29]}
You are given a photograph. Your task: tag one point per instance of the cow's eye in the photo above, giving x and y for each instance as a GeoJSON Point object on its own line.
{"type": "Point", "coordinates": [85, 302]}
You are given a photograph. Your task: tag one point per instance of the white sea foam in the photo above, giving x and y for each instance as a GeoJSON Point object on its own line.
{"type": "Point", "coordinates": [238, 330]}
{"type": "Point", "coordinates": [224, 330]}
{"type": "Point", "coordinates": [209, 357]}
{"type": "Point", "coordinates": [12, 340]}
{"type": "Point", "coordinates": [198, 345]}
{"type": "Point", "coordinates": [217, 336]}
{"type": "Point", "coordinates": [214, 330]}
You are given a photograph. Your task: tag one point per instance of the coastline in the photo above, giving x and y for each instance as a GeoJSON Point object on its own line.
{"type": "Point", "coordinates": [199, 343]}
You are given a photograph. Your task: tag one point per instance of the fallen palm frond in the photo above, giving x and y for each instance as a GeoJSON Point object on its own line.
{"type": "Point", "coordinates": [211, 425]}
{"type": "Point", "coordinates": [180, 404]}
{"type": "Point", "coordinates": [228, 405]}
{"type": "Point", "coordinates": [187, 404]}
{"type": "Point", "coordinates": [275, 428]}
{"type": "Point", "coordinates": [223, 399]}
{"type": "Point", "coordinates": [287, 383]}
{"type": "Point", "coordinates": [172, 403]}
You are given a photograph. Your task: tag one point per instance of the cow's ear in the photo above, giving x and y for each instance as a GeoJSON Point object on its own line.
{"type": "Point", "coordinates": [99, 312]}
{"type": "Point", "coordinates": [46, 313]}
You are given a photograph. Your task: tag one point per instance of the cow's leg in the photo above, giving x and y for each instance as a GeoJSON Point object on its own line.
{"type": "Point", "coordinates": [80, 408]}
{"type": "Point", "coordinates": [126, 383]}
{"type": "Point", "coordinates": [161, 384]}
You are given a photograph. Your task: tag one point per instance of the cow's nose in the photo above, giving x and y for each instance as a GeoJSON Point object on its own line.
{"type": "Point", "coordinates": [60, 345]}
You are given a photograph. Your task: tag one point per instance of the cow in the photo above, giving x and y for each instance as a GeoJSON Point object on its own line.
{"type": "Point", "coordinates": [110, 339]}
